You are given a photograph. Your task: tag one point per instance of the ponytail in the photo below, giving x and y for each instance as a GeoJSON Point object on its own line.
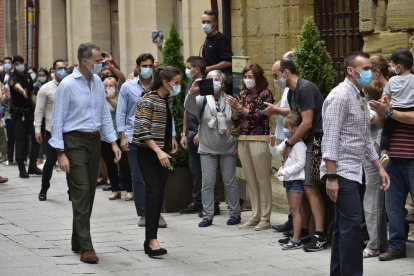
{"type": "Point", "coordinates": [167, 73]}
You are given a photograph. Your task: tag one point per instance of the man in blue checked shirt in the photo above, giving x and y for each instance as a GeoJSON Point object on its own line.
{"type": "Point", "coordinates": [80, 118]}
{"type": "Point", "coordinates": [129, 97]}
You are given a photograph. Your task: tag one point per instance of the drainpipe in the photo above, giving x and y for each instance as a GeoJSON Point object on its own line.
{"type": "Point", "coordinates": [226, 8]}
{"type": "Point", "coordinates": [29, 33]}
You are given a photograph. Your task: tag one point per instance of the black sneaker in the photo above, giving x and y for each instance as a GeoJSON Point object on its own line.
{"type": "Point", "coordinates": [283, 241]}
{"type": "Point", "coordinates": [316, 244]}
{"type": "Point", "coordinates": [288, 233]}
{"type": "Point", "coordinates": [287, 226]}
{"type": "Point", "coordinates": [191, 209]}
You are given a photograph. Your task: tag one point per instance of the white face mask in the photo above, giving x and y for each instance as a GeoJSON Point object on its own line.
{"type": "Point", "coordinates": [188, 73]}
{"type": "Point", "coordinates": [110, 91]}
{"type": "Point", "coordinates": [250, 83]}
{"type": "Point", "coordinates": [217, 86]}
{"type": "Point", "coordinates": [281, 83]}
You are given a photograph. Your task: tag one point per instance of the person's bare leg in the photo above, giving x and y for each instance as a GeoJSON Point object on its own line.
{"type": "Point", "coordinates": [316, 206]}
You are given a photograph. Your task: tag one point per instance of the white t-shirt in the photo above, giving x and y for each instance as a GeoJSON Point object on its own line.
{"type": "Point", "coordinates": [401, 89]}
{"type": "Point", "coordinates": [279, 126]}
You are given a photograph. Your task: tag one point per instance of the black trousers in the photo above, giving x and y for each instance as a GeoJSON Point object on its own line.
{"type": "Point", "coordinates": [117, 174]}
{"type": "Point", "coordinates": [155, 176]}
{"type": "Point", "coordinates": [23, 129]}
{"type": "Point", "coordinates": [51, 158]}
{"type": "Point", "coordinates": [195, 167]}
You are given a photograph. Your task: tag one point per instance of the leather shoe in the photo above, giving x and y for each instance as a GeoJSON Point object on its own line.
{"type": "Point", "coordinates": [287, 226]}
{"type": "Point", "coordinates": [24, 175]}
{"type": "Point", "coordinates": [34, 170]}
{"type": "Point", "coordinates": [392, 254]}
{"type": "Point", "coordinates": [89, 257]}
{"type": "Point", "coordinates": [141, 222]}
{"type": "Point", "coordinates": [153, 253]}
{"type": "Point", "coordinates": [191, 209]}
{"type": "Point", "coordinates": [3, 179]}
{"type": "Point", "coordinates": [42, 196]}
{"type": "Point", "coordinates": [162, 223]}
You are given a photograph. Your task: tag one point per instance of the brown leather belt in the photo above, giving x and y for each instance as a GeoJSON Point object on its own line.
{"type": "Point", "coordinates": [89, 135]}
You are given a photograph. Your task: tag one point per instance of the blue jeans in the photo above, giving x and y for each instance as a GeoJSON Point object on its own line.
{"type": "Point", "coordinates": [138, 185]}
{"type": "Point", "coordinates": [401, 172]}
{"type": "Point", "coordinates": [346, 254]}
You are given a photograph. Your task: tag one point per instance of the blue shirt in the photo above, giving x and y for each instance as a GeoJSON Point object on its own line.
{"type": "Point", "coordinates": [129, 97]}
{"type": "Point", "coordinates": [80, 107]}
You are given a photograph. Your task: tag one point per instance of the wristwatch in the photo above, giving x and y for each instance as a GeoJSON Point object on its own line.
{"type": "Point", "coordinates": [332, 176]}
{"type": "Point", "coordinates": [287, 144]}
{"type": "Point", "coordinates": [60, 151]}
{"type": "Point", "coordinates": [389, 112]}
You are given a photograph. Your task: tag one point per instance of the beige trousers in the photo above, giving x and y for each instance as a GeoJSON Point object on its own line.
{"type": "Point", "coordinates": [256, 161]}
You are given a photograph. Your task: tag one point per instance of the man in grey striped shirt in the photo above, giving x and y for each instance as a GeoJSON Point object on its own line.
{"type": "Point", "coordinates": [346, 143]}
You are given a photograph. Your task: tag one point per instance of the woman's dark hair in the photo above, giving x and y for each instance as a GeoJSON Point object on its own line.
{"type": "Point", "coordinates": [44, 70]}
{"type": "Point", "coordinates": [258, 73]}
{"type": "Point", "coordinates": [160, 74]}
{"type": "Point", "coordinates": [379, 63]}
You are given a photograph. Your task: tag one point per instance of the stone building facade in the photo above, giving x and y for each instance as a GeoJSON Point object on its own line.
{"type": "Point", "coordinates": [387, 25]}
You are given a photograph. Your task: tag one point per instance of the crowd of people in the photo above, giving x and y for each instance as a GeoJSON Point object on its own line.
{"type": "Point", "coordinates": [362, 133]}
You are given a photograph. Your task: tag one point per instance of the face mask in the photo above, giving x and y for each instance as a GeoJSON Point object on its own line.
{"type": "Point", "coordinates": [96, 69]}
{"type": "Point", "coordinates": [207, 28]}
{"type": "Point", "coordinates": [61, 73]}
{"type": "Point", "coordinates": [250, 83]}
{"type": "Point", "coordinates": [42, 79]}
{"type": "Point", "coordinates": [176, 89]}
{"type": "Point", "coordinates": [1, 68]}
{"type": "Point", "coordinates": [110, 91]}
{"type": "Point", "coordinates": [281, 83]}
{"type": "Point", "coordinates": [365, 78]}
{"type": "Point", "coordinates": [20, 68]}
{"type": "Point", "coordinates": [287, 133]}
{"type": "Point", "coordinates": [7, 67]}
{"type": "Point", "coordinates": [217, 86]}
{"type": "Point", "coordinates": [188, 73]}
{"type": "Point", "coordinates": [146, 72]}
{"type": "Point", "coordinates": [33, 76]}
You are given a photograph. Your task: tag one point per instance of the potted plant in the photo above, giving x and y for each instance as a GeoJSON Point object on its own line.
{"type": "Point", "coordinates": [179, 186]}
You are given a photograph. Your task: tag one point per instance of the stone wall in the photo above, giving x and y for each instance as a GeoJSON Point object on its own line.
{"type": "Point", "coordinates": [266, 29]}
{"type": "Point", "coordinates": [387, 25]}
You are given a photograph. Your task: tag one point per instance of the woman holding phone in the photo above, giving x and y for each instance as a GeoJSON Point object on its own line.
{"type": "Point", "coordinates": [216, 145]}
{"type": "Point", "coordinates": [253, 147]}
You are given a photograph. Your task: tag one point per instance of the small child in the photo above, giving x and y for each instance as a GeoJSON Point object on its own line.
{"type": "Point", "coordinates": [293, 175]}
{"type": "Point", "coordinates": [400, 91]}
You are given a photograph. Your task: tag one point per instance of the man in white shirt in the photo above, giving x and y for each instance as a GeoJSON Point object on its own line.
{"type": "Point", "coordinates": [44, 109]}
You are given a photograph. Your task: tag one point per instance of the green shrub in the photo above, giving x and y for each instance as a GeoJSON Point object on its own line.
{"type": "Point", "coordinates": [312, 60]}
{"type": "Point", "coordinates": [172, 56]}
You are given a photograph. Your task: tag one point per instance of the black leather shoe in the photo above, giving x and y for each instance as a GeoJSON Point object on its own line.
{"type": "Point", "coordinates": [191, 209]}
{"type": "Point", "coordinates": [153, 253]}
{"type": "Point", "coordinates": [34, 170]}
{"type": "Point", "coordinates": [42, 196]}
{"type": "Point", "coordinates": [285, 227]}
{"type": "Point", "coordinates": [392, 254]}
{"type": "Point", "coordinates": [24, 175]}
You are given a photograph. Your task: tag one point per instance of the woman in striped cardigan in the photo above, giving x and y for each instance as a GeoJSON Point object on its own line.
{"type": "Point", "coordinates": [153, 137]}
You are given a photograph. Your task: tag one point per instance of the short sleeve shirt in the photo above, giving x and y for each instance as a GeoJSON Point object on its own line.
{"type": "Point", "coordinates": [216, 48]}
{"type": "Point", "coordinates": [17, 99]}
{"type": "Point", "coordinates": [307, 96]}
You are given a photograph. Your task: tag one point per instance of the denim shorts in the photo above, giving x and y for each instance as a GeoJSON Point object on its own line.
{"type": "Point", "coordinates": [294, 186]}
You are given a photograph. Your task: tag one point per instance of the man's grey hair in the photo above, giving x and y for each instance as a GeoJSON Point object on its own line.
{"type": "Point", "coordinates": [218, 73]}
{"type": "Point", "coordinates": [85, 50]}
{"type": "Point", "coordinates": [289, 55]}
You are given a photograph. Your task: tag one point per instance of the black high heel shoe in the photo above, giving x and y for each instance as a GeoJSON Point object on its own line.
{"type": "Point", "coordinates": [153, 253]}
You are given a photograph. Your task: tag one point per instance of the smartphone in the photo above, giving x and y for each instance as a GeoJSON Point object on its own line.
{"type": "Point", "coordinates": [157, 35]}
{"type": "Point", "coordinates": [206, 87]}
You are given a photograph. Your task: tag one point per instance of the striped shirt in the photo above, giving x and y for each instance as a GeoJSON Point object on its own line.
{"type": "Point", "coordinates": [151, 119]}
{"type": "Point", "coordinates": [346, 131]}
{"type": "Point", "coordinates": [402, 142]}
{"type": "Point", "coordinates": [81, 107]}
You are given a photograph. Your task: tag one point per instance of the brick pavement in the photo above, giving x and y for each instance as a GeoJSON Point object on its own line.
{"type": "Point", "coordinates": [35, 240]}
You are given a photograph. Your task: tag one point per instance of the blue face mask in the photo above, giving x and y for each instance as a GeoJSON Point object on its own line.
{"type": "Point", "coordinates": [287, 133]}
{"type": "Point", "coordinates": [146, 72]}
{"type": "Point", "coordinates": [42, 79]}
{"type": "Point", "coordinates": [20, 68]}
{"type": "Point", "coordinates": [207, 28]}
{"type": "Point", "coordinates": [365, 78]}
{"type": "Point", "coordinates": [61, 73]}
{"type": "Point", "coordinates": [97, 68]}
{"type": "Point", "coordinates": [216, 86]}
{"type": "Point", "coordinates": [176, 89]}
{"type": "Point", "coordinates": [7, 67]}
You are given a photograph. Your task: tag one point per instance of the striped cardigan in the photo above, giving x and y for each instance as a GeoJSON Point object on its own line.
{"type": "Point", "coordinates": [151, 119]}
